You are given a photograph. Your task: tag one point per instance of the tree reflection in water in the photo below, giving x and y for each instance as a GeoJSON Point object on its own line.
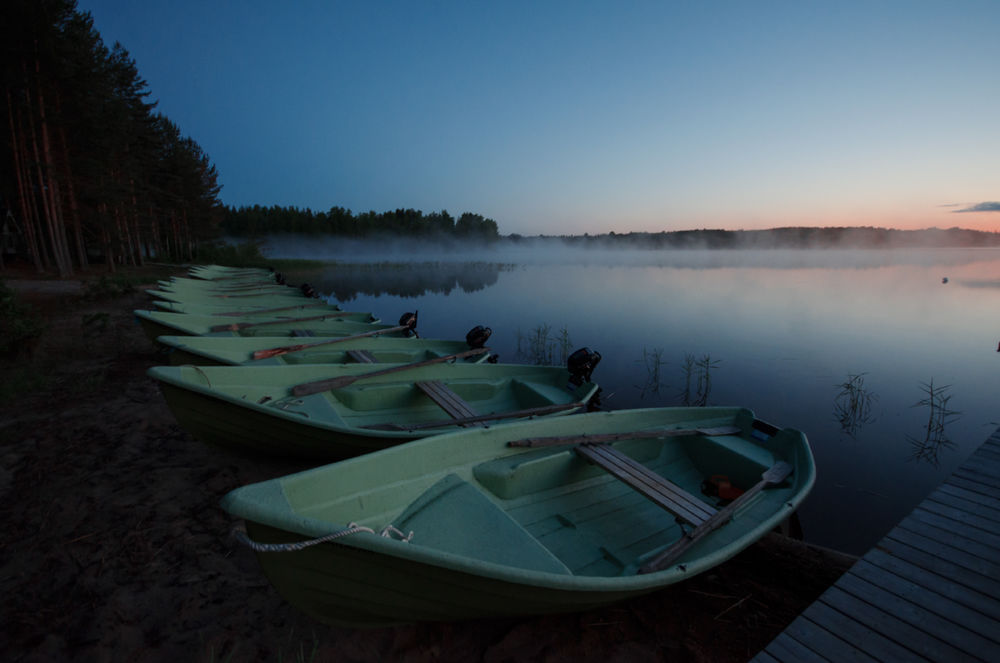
{"type": "Point", "coordinates": [347, 281]}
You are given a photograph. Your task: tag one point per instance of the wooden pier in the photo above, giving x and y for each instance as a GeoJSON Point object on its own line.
{"type": "Point", "coordinates": [928, 591]}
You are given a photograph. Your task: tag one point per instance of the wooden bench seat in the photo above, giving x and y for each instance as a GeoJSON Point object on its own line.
{"type": "Point", "coordinates": [449, 401]}
{"type": "Point", "coordinates": [361, 356]}
{"type": "Point", "coordinates": [659, 489]}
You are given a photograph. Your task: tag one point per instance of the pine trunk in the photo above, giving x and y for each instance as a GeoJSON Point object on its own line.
{"type": "Point", "coordinates": [23, 189]}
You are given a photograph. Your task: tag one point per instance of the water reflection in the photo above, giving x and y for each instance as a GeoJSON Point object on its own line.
{"type": "Point", "coordinates": [652, 361]}
{"type": "Point", "coordinates": [852, 407]}
{"type": "Point", "coordinates": [697, 376]}
{"type": "Point", "coordinates": [345, 282]}
{"type": "Point", "coordinates": [928, 446]}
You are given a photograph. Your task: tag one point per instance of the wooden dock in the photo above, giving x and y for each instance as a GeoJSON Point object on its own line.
{"type": "Point", "coordinates": [928, 591]}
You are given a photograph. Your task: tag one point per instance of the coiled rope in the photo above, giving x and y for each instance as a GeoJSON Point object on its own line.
{"type": "Point", "coordinates": [240, 534]}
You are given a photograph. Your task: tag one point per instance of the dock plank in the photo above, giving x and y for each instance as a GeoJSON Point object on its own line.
{"type": "Point", "coordinates": [974, 507]}
{"type": "Point", "coordinates": [863, 635]}
{"type": "Point", "coordinates": [909, 528]}
{"type": "Point", "coordinates": [817, 638]}
{"type": "Point", "coordinates": [927, 591]}
{"type": "Point", "coordinates": [918, 616]}
{"type": "Point", "coordinates": [966, 570]}
{"type": "Point", "coordinates": [957, 527]}
{"type": "Point", "coordinates": [790, 650]}
{"type": "Point", "coordinates": [938, 604]}
{"type": "Point", "coordinates": [984, 603]}
{"type": "Point", "coordinates": [983, 498]}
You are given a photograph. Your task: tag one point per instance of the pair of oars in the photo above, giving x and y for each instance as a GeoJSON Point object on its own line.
{"type": "Point", "coordinates": [274, 352]}
{"type": "Point", "coordinates": [237, 326]}
{"type": "Point", "coordinates": [318, 386]}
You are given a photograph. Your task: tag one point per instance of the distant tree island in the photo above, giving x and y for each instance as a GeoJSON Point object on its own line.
{"type": "Point", "coordinates": [257, 222]}
{"type": "Point", "coordinates": [799, 237]}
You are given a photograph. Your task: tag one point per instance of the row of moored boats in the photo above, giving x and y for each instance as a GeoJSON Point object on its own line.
{"type": "Point", "coordinates": [498, 503]}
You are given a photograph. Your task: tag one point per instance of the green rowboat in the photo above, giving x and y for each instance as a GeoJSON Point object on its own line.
{"type": "Point", "coordinates": [500, 530]}
{"type": "Point", "coordinates": [337, 411]}
{"type": "Point", "coordinates": [242, 299]}
{"type": "Point", "coordinates": [299, 307]}
{"type": "Point", "coordinates": [230, 351]}
{"type": "Point", "coordinates": [220, 272]}
{"type": "Point", "coordinates": [337, 323]}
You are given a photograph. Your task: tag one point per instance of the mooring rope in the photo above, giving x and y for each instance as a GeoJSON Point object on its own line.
{"type": "Point", "coordinates": [240, 534]}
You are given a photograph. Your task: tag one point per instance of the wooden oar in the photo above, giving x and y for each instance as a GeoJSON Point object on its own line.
{"type": "Point", "coordinates": [773, 475]}
{"type": "Point", "coordinates": [614, 437]}
{"type": "Point", "coordinates": [274, 352]}
{"type": "Point", "coordinates": [236, 326]}
{"type": "Point", "coordinates": [530, 412]}
{"type": "Point", "coordinates": [307, 388]}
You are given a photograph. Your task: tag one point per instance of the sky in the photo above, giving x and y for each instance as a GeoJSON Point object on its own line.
{"type": "Point", "coordinates": [587, 117]}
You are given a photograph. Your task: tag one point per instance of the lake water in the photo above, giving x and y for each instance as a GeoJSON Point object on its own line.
{"type": "Point", "coordinates": [891, 372]}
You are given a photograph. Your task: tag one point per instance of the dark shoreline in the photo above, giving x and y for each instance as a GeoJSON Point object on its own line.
{"type": "Point", "coordinates": [116, 548]}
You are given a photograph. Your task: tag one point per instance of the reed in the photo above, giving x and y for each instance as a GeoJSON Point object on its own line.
{"type": "Point", "coordinates": [544, 347]}
{"type": "Point", "coordinates": [652, 361]}
{"type": "Point", "coordinates": [852, 406]}
{"type": "Point", "coordinates": [934, 440]}
{"type": "Point", "coordinates": [696, 375]}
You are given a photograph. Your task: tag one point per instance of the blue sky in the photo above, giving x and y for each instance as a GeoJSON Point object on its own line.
{"type": "Point", "coordinates": [573, 117]}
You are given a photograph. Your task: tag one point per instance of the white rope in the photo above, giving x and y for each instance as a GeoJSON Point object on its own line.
{"type": "Point", "coordinates": [352, 528]}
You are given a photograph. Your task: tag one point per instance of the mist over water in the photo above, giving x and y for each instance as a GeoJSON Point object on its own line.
{"type": "Point", "coordinates": [783, 330]}
{"type": "Point", "coordinates": [535, 251]}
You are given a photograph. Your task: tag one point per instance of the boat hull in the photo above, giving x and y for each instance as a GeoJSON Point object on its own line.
{"type": "Point", "coordinates": [163, 323]}
{"type": "Point", "coordinates": [252, 409]}
{"type": "Point", "coordinates": [576, 536]}
{"type": "Point", "coordinates": [229, 351]}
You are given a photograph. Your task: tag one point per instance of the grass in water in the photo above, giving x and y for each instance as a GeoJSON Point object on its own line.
{"type": "Point", "coordinates": [543, 347]}
{"type": "Point", "coordinates": [696, 375]}
{"type": "Point", "coordinates": [935, 439]}
{"type": "Point", "coordinates": [652, 361]}
{"type": "Point", "coordinates": [852, 406]}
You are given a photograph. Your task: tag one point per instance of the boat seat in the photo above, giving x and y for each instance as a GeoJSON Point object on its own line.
{"type": "Point", "coordinates": [454, 516]}
{"type": "Point", "coordinates": [361, 356]}
{"type": "Point", "coordinates": [449, 401]}
{"type": "Point", "coordinates": [659, 489]}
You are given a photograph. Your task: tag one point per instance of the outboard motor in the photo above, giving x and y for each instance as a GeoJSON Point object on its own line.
{"type": "Point", "coordinates": [409, 320]}
{"type": "Point", "coordinates": [279, 278]}
{"type": "Point", "coordinates": [477, 336]}
{"type": "Point", "coordinates": [308, 290]}
{"type": "Point", "coordinates": [581, 364]}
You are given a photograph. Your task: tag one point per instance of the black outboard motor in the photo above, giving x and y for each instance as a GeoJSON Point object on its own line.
{"type": "Point", "coordinates": [409, 320]}
{"type": "Point", "coordinates": [477, 336]}
{"type": "Point", "coordinates": [308, 290]}
{"type": "Point", "coordinates": [279, 278]}
{"type": "Point", "coordinates": [581, 364]}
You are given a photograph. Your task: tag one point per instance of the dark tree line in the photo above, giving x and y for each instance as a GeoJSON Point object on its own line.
{"type": "Point", "coordinates": [88, 170]}
{"type": "Point", "coordinates": [258, 221]}
{"type": "Point", "coordinates": [798, 237]}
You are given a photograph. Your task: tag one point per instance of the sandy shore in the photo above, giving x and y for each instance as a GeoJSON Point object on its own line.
{"type": "Point", "coordinates": [115, 548]}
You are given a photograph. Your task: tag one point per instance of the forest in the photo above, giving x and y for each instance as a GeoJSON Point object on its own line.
{"type": "Point", "coordinates": [258, 221]}
{"type": "Point", "coordinates": [89, 171]}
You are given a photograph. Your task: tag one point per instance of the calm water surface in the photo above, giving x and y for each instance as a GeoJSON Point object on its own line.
{"type": "Point", "coordinates": [782, 332]}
